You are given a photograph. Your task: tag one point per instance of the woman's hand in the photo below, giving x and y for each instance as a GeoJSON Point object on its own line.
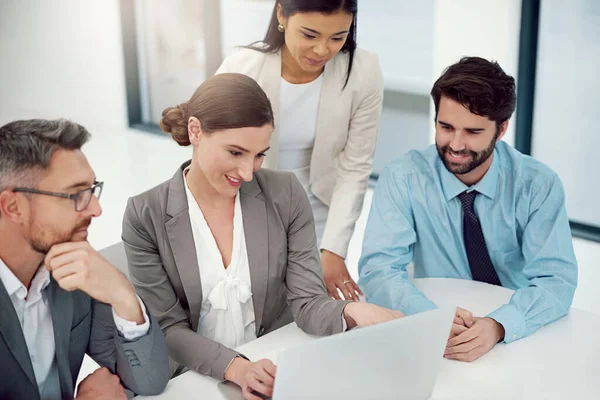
{"type": "Point", "coordinates": [336, 276]}
{"type": "Point", "coordinates": [365, 314]}
{"type": "Point", "coordinates": [253, 377]}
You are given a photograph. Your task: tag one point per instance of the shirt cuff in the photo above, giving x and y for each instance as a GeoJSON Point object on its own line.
{"type": "Point", "coordinates": [131, 330]}
{"type": "Point", "coordinates": [512, 320]}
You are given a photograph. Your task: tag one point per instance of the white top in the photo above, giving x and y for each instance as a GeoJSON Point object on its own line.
{"type": "Point", "coordinates": [33, 310]}
{"type": "Point", "coordinates": [299, 108]}
{"type": "Point", "coordinates": [227, 311]}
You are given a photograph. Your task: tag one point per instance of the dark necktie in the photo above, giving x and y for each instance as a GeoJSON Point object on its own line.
{"type": "Point", "coordinates": [481, 265]}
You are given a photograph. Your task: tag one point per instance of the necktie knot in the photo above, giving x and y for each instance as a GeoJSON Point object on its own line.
{"type": "Point", "coordinates": [468, 199]}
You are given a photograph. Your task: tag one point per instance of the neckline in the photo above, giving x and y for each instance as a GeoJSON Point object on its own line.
{"type": "Point", "coordinates": [317, 79]}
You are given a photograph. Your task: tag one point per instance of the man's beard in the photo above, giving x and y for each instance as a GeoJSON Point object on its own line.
{"type": "Point", "coordinates": [477, 158]}
{"type": "Point", "coordinates": [42, 240]}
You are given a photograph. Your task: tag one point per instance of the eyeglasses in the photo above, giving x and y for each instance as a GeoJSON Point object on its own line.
{"type": "Point", "coordinates": [81, 199]}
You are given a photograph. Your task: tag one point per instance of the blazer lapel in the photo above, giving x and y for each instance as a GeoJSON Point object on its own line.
{"type": "Point", "coordinates": [179, 232]}
{"type": "Point", "coordinates": [13, 335]}
{"type": "Point", "coordinates": [61, 309]}
{"type": "Point", "coordinates": [269, 79]}
{"type": "Point", "coordinates": [254, 212]}
{"type": "Point", "coordinates": [331, 90]}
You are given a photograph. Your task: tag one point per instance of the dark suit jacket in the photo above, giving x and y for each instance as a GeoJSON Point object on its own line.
{"type": "Point", "coordinates": [285, 269]}
{"type": "Point", "coordinates": [81, 325]}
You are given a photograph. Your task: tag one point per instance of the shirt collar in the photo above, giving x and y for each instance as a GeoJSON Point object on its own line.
{"type": "Point", "coordinates": [13, 285]}
{"type": "Point", "coordinates": [452, 186]}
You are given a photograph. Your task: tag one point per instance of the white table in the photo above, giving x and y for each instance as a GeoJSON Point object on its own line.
{"type": "Point", "coordinates": [560, 361]}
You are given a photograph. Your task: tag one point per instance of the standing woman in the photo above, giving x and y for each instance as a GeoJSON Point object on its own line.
{"type": "Point", "coordinates": [327, 97]}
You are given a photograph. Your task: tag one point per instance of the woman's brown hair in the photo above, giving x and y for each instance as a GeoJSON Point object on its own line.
{"type": "Point", "coordinates": [224, 101]}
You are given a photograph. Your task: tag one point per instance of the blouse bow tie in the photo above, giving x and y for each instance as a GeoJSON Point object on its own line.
{"type": "Point", "coordinates": [227, 290]}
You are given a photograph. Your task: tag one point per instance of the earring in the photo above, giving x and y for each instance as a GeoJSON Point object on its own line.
{"type": "Point", "coordinates": [280, 28]}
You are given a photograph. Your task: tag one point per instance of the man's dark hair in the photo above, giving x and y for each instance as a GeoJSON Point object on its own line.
{"type": "Point", "coordinates": [480, 85]}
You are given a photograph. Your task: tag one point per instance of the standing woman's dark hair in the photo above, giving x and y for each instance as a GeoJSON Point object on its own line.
{"type": "Point", "coordinates": [275, 39]}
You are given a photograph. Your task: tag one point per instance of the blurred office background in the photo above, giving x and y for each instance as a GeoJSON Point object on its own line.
{"type": "Point", "coordinates": [113, 66]}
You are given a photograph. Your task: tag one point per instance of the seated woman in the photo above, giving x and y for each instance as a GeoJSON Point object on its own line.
{"type": "Point", "coordinates": [224, 251]}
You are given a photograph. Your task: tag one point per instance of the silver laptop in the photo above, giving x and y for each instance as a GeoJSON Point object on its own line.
{"type": "Point", "coordinates": [398, 359]}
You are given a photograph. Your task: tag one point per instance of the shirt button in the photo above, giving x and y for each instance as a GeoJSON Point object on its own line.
{"type": "Point", "coordinates": [515, 336]}
{"type": "Point", "coordinates": [33, 358]}
{"type": "Point", "coordinates": [120, 328]}
{"type": "Point", "coordinates": [261, 330]}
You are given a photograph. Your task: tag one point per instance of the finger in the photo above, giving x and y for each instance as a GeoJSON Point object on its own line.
{"type": "Point", "coordinates": [333, 292]}
{"type": "Point", "coordinates": [118, 388]}
{"type": "Point", "coordinates": [269, 367]}
{"type": "Point", "coordinates": [352, 295]}
{"type": "Point", "coordinates": [62, 248]}
{"type": "Point", "coordinates": [266, 378]}
{"type": "Point", "coordinates": [67, 270]}
{"type": "Point", "coordinates": [339, 284]}
{"type": "Point", "coordinates": [464, 347]}
{"type": "Point", "coordinates": [248, 395]}
{"type": "Point", "coordinates": [464, 337]}
{"type": "Point", "coordinates": [355, 287]}
{"type": "Point", "coordinates": [352, 290]}
{"type": "Point", "coordinates": [395, 314]}
{"type": "Point", "coordinates": [345, 290]}
{"type": "Point", "coordinates": [260, 387]}
{"type": "Point", "coordinates": [116, 380]}
{"type": "Point", "coordinates": [466, 357]}
{"type": "Point", "coordinates": [467, 321]}
{"type": "Point", "coordinates": [66, 258]}
{"type": "Point", "coordinates": [71, 282]}
{"type": "Point", "coordinates": [329, 291]}
{"type": "Point", "coordinates": [465, 316]}
{"type": "Point", "coordinates": [457, 329]}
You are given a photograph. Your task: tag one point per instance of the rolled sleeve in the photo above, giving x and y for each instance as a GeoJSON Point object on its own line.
{"type": "Point", "coordinates": [130, 330]}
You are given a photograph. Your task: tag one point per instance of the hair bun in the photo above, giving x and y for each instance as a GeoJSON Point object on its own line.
{"type": "Point", "coordinates": [174, 122]}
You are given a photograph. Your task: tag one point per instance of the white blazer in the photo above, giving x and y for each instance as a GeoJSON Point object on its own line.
{"type": "Point", "coordinates": [346, 133]}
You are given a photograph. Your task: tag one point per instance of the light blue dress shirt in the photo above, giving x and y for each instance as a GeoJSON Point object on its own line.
{"type": "Point", "coordinates": [417, 217]}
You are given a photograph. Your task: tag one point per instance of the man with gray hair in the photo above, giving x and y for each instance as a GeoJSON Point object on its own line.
{"type": "Point", "coordinates": [60, 298]}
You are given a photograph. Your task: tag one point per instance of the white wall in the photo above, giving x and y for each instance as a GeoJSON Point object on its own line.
{"type": "Point", "coordinates": [62, 58]}
{"type": "Point", "coordinates": [243, 22]}
{"type": "Point", "coordinates": [400, 32]}
{"type": "Point", "coordinates": [484, 28]}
